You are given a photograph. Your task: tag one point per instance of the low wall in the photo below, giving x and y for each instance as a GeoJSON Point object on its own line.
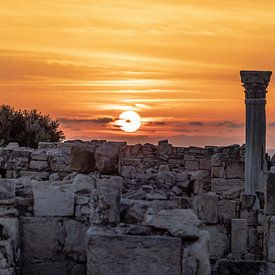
{"type": "Point", "coordinates": [51, 202]}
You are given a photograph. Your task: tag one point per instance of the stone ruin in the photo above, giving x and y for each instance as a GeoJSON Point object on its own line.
{"type": "Point", "coordinates": [100, 208]}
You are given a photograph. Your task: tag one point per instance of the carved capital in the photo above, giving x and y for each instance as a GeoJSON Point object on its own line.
{"type": "Point", "coordinates": [255, 83]}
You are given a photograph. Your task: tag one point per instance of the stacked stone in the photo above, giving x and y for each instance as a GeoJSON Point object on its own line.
{"type": "Point", "coordinates": [9, 229]}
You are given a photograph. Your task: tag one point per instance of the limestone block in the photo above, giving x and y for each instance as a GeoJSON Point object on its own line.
{"type": "Point", "coordinates": [189, 266]}
{"type": "Point", "coordinates": [200, 251]}
{"type": "Point", "coordinates": [53, 198]}
{"type": "Point", "coordinates": [270, 194]}
{"type": "Point", "coordinates": [46, 268]}
{"type": "Point", "coordinates": [251, 215]}
{"type": "Point", "coordinates": [39, 165]}
{"type": "Point", "coordinates": [270, 239]}
{"type": "Point", "coordinates": [15, 159]}
{"type": "Point", "coordinates": [123, 254]}
{"type": "Point", "coordinates": [82, 159]}
{"type": "Point", "coordinates": [216, 160]}
{"type": "Point", "coordinates": [228, 209]}
{"type": "Point", "coordinates": [7, 271]}
{"type": "Point", "coordinates": [217, 172]}
{"type": "Point", "coordinates": [39, 237]}
{"type": "Point", "coordinates": [164, 148]}
{"type": "Point", "coordinates": [253, 241]}
{"type": "Point", "coordinates": [205, 164]}
{"type": "Point", "coordinates": [75, 241]}
{"type": "Point", "coordinates": [247, 201]}
{"type": "Point", "coordinates": [39, 154]}
{"type": "Point", "coordinates": [239, 237]}
{"type": "Point", "coordinates": [107, 157]}
{"type": "Point", "coordinates": [192, 165]}
{"type": "Point", "coordinates": [220, 186]}
{"type": "Point", "coordinates": [181, 223]}
{"type": "Point", "coordinates": [7, 189]}
{"type": "Point", "coordinates": [59, 160]}
{"type": "Point", "coordinates": [232, 193]}
{"type": "Point", "coordinates": [133, 211]}
{"type": "Point", "coordinates": [219, 240]}
{"type": "Point", "coordinates": [105, 201]}
{"type": "Point", "coordinates": [210, 208]}
{"type": "Point", "coordinates": [235, 170]}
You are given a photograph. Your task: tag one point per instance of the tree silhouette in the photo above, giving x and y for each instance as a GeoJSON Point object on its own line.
{"type": "Point", "coordinates": [27, 128]}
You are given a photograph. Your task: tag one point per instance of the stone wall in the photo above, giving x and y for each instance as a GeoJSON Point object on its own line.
{"type": "Point", "coordinates": [186, 198]}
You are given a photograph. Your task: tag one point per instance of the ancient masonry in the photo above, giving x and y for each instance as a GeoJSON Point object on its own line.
{"type": "Point", "coordinates": [102, 208]}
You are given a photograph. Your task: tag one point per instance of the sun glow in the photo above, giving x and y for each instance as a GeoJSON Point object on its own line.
{"type": "Point", "coordinates": [129, 121]}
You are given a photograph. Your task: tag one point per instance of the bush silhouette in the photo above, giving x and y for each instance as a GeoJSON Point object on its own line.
{"type": "Point", "coordinates": [27, 128]}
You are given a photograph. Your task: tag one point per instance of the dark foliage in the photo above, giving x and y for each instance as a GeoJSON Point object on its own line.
{"type": "Point", "coordinates": [27, 128]}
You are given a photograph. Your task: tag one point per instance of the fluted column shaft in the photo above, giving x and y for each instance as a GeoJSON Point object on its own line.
{"type": "Point", "coordinates": [255, 84]}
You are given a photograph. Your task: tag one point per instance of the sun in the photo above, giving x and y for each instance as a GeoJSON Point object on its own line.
{"type": "Point", "coordinates": [129, 121]}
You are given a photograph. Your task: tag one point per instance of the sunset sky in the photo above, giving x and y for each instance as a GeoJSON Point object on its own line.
{"type": "Point", "coordinates": [175, 62]}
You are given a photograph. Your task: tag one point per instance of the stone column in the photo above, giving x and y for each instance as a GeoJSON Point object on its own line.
{"type": "Point", "coordinates": [255, 84]}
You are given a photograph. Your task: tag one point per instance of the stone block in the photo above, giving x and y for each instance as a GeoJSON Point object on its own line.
{"type": "Point", "coordinates": [220, 186]}
{"type": "Point", "coordinates": [124, 254]}
{"type": "Point", "coordinates": [105, 201]}
{"type": "Point", "coordinates": [219, 240]}
{"type": "Point", "coordinates": [233, 193]}
{"type": "Point", "coordinates": [189, 266]}
{"type": "Point", "coordinates": [210, 208]}
{"type": "Point", "coordinates": [270, 194]}
{"type": "Point", "coordinates": [228, 209]}
{"type": "Point", "coordinates": [82, 159]}
{"type": "Point", "coordinates": [251, 215]}
{"type": "Point", "coordinates": [247, 201]}
{"type": "Point", "coordinates": [181, 223]}
{"type": "Point", "coordinates": [39, 237]}
{"type": "Point", "coordinates": [239, 237]}
{"type": "Point", "coordinates": [7, 189]}
{"type": "Point", "coordinates": [107, 157]}
{"type": "Point", "coordinates": [164, 148]}
{"type": "Point", "coordinates": [59, 160]}
{"type": "Point", "coordinates": [253, 241]}
{"type": "Point", "coordinates": [191, 165]}
{"type": "Point", "coordinates": [235, 170]}
{"type": "Point", "coordinates": [39, 165]}
{"type": "Point", "coordinates": [46, 268]}
{"type": "Point", "coordinates": [270, 239]}
{"type": "Point", "coordinates": [217, 172]}
{"type": "Point", "coordinates": [75, 240]}
{"type": "Point", "coordinates": [53, 198]}
{"type": "Point", "coordinates": [205, 164]}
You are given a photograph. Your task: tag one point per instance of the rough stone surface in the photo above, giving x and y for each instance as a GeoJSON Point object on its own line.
{"type": "Point", "coordinates": [141, 255]}
{"type": "Point", "coordinates": [239, 237]}
{"type": "Point", "coordinates": [53, 199]}
{"type": "Point", "coordinates": [82, 159]}
{"type": "Point", "coordinates": [179, 222]}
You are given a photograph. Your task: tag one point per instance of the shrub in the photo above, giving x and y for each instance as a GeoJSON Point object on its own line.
{"type": "Point", "coordinates": [27, 128]}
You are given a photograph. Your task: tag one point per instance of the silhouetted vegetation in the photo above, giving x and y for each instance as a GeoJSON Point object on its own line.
{"type": "Point", "coordinates": [27, 127]}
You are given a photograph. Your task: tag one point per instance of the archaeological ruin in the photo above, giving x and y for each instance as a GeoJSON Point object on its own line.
{"type": "Point", "coordinates": [100, 208]}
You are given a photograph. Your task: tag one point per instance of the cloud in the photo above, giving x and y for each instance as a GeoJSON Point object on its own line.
{"type": "Point", "coordinates": [229, 124]}
{"type": "Point", "coordinates": [196, 123]}
{"type": "Point", "coordinates": [100, 120]}
{"type": "Point", "coordinates": [272, 124]}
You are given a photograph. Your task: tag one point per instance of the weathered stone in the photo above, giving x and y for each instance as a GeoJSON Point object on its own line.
{"type": "Point", "coordinates": [220, 186]}
{"type": "Point", "coordinates": [217, 172]}
{"type": "Point", "coordinates": [105, 201]}
{"type": "Point", "coordinates": [235, 170]}
{"type": "Point", "coordinates": [247, 201]}
{"type": "Point", "coordinates": [228, 209]}
{"type": "Point", "coordinates": [75, 239]}
{"type": "Point", "coordinates": [107, 157]}
{"type": "Point", "coordinates": [39, 237]}
{"type": "Point", "coordinates": [189, 266]}
{"type": "Point", "coordinates": [270, 194]}
{"type": "Point", "coordinates": [210, 208]}
{"type": "Point", "coordinates": [39, 165]}
{"type": "Point", "coordinates": [179, 222]}
{"type": "Point", "coordinates": [219, 241]}
{"type": "Point", "coordinates": [239, 237]}
{"type": "Point", "coordinates": [192, 165]}
{"type": "Point", "coordinates": [251, 215]}
{"type": "Point", "coordinates": [39, 154]}
{"type": "Point", "coordinates": [205, 164]}
{"type": "Point", "coordinates": [132, 211]}
{"type": "Point", "coordinates": [232, 193]}
{"type": "Point", "coordinates": [200, 251]}
{"type": "Point", "coordinates": [82, 159]}
{"type": "Point", "coordinates": [7, 189]}
{"type": "Point", "coordinates": [141, 255]}
{"type": "Point", "coordinates": [164, 148]}
{"type": "Point", "coordinates": [53, 198]}
{"type": "Point", "coordinates": [59, 160]}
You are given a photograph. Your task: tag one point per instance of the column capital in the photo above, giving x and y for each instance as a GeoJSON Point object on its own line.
{"type": "Point", "coordinates": [255, 83]}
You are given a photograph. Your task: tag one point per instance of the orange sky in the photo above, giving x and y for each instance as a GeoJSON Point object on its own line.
{"type": "Point", "coordinates": [175, 62]}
